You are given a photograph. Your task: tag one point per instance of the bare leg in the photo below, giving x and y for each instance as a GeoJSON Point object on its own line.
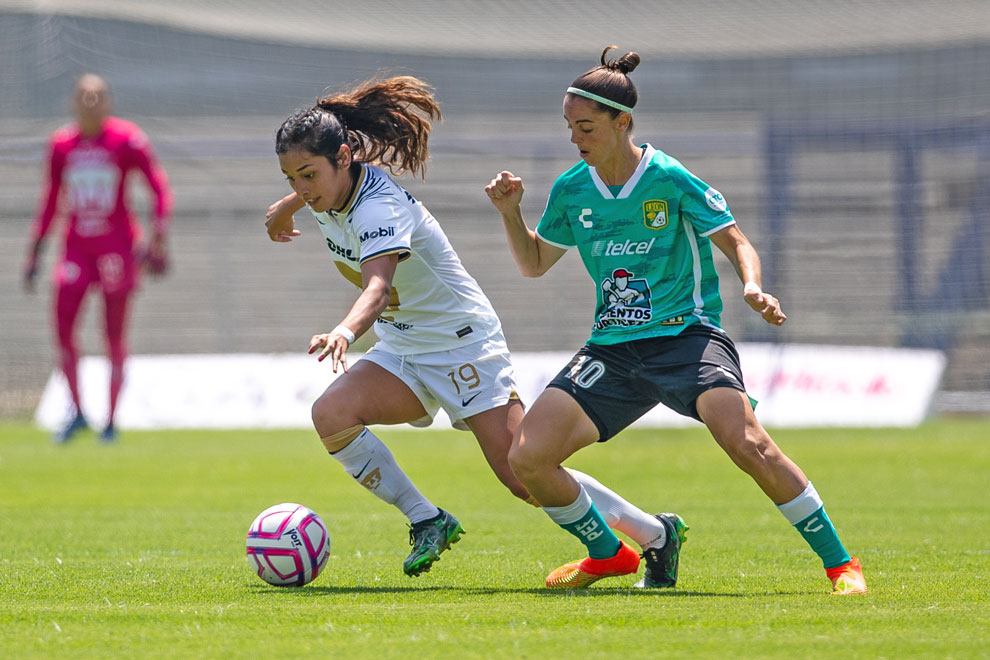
{"type": "Point", "coordinates": [730, 418]}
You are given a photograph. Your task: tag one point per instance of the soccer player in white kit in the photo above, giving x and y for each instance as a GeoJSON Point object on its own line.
{"type": "Point", "coordinates": [440, 341]}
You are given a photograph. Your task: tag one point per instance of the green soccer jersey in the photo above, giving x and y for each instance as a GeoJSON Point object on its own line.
{"type": "Point", "coordinates": [645, 245]}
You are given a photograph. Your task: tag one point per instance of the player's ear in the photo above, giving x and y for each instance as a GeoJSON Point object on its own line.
{"type": "Point", "coordinates": [344, 156]}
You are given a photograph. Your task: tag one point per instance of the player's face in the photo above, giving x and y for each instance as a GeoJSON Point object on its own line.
{"type": "Point", "coordinates": [320, 183]}
{"type": "Point", "coordinates": [598, 137]}
{"type": "Point", "coordinates": [91, 102]}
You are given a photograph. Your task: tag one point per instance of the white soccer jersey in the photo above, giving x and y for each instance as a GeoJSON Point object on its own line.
{"type": "Point", "coordinates": [436, 305]}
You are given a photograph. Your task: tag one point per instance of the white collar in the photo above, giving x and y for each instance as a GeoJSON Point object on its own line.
{"type": "Point", "coordinates": [627, 188]}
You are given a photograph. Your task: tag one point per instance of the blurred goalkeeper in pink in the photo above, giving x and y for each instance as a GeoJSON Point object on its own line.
{"type": "Point", "coordinates": [88, 164]}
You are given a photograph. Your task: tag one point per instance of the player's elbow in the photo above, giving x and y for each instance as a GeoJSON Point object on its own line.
{"type": "Point", "coordinates": [532, 268]}
{"type": "Point", "coordinates": [383, 296]}
{"type": "Point", "coordinates": [531, 272]}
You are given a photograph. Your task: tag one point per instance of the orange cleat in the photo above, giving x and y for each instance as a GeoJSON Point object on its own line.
{"type": "Point", "coordinates": [581, 573]}
{"type": "Point", "coordinates": [847, 579]}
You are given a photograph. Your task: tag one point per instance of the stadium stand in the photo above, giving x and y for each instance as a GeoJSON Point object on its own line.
{"type": "Point", "coordinates": [852, 141]}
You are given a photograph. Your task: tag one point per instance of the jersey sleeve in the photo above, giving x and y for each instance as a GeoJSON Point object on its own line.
{"type": "Point", "coordinates": [383, 226]}
{"type": "Point", "coordinates": [555, 227]}
{"type": "Point", "coordinates": [702, 205]}
{"type": "Point", "coordinates": [48, 202]}
{"type": "Point", "coordinates": [146, 161]}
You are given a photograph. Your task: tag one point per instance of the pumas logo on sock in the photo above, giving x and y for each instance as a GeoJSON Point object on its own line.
{"type": "Point", "coordinates": [373, 480]}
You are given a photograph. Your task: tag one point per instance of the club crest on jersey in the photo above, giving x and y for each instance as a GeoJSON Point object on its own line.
{"type": "Point", "coordinates": [655, 213]}
{"type": "Point", "coordinates": [625, 300]}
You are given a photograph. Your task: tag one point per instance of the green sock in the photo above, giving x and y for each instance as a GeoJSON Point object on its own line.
{"type": "Point", "coordinates": [820, 534]}
{"type": "Point", "coordinates": [583, 520]}
{"type": "Point", "coordinates": [807, 513]}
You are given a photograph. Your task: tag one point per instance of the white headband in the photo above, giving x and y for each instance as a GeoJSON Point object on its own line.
{"type": "Point", "coordinates": [600, 99]}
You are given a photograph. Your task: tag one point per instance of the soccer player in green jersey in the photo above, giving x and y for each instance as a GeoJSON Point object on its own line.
{"type": "Point", "coordinates": [644, 226]}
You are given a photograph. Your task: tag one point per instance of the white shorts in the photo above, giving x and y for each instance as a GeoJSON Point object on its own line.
{"type": "Point", "coordinates": [464, 382]}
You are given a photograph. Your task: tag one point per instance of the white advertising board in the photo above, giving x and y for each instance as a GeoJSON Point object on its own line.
{"type": "Point", "coordinates": [796, 386]}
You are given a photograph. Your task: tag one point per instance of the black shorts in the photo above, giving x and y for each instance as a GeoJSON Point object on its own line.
{"type": "Point", "coordinates": [617, 384]}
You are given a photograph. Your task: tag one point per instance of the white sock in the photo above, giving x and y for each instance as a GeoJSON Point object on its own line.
{"type": "Point", "coordinates": [372, 465]}
{"type": "Point", "coordinates": [641, 527]}
{"type": "Point", "coordinates": [802, 506]}
{"type": "Point", "coordinates": [570, 513]}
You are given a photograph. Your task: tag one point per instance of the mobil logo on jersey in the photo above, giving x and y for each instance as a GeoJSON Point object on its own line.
{"type": "Point", "coordinates": [625, 300]}
{"type": "Point", "coordinates": [381, 232]}
{"type": "Point", "coordinates": [655, 213]}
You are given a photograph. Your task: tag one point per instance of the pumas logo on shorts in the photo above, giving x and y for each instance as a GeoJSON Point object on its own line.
{"type": "Point", "coordinates": [625, 301]}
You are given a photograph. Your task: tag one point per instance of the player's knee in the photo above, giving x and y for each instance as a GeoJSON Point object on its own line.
{"type": "Point", "coordinates": [525, 460]}
{"type": "Point", "coordinates": [330, 416]}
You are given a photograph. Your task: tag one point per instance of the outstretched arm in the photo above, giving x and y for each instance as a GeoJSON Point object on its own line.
{"type": "Point", "coordinates": [734, 244]}
{"type": "Point", "coordinates": [376, 294]}
{"type": "Point", "coordinates": [533, 256]}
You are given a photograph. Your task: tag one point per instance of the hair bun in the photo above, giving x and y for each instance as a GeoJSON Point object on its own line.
{"type": "Point", "coordinates": [625, 64]}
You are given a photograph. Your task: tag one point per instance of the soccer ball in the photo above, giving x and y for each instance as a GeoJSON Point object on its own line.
{"type": "Point", "coordinates": [288, 545]}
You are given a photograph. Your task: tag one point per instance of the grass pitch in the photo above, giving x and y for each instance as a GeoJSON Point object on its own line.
{"type": "Point", "coordinates": [137, 551]}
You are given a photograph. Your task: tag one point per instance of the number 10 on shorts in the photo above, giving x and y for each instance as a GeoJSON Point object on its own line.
{"type": "Point", "coordinates": [586, 371]}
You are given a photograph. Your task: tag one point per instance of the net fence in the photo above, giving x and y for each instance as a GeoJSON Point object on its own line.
{"type": "Point", "coordinates": [851, 140]}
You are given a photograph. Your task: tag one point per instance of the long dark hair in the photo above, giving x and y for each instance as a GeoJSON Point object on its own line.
{"type": "Point", "coordinates": [610, 80]}
{"type": "Point", "coordinates": [383, 121]}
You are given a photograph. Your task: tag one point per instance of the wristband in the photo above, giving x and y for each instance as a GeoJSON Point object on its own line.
{"type": "Point", "coordinates": [344, 332]}
{"type": "Point", "coordinates": [752, 287]}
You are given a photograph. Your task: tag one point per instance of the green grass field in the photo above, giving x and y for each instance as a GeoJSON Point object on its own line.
{"type": "Point", "coordinates": [137, 551]}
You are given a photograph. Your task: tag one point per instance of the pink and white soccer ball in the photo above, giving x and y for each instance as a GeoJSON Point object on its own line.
{"type": "Point", "coordinates": [288, 545]}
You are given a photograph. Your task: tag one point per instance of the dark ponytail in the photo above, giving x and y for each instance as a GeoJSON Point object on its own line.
{"type": "Point", "coordinates": [384, 122]}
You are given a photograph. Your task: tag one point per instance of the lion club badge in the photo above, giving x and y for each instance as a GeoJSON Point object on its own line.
{"type": "Point", "coordinates": [655, 213]}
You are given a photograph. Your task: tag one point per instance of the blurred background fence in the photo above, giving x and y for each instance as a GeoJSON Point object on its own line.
{"type": "Point", "coordinates": [851, 140]}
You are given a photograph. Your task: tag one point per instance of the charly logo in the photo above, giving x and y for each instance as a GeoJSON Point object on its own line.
{"type": "Point", "coordinates": [625, 300]}
{"type": "Point", "coordinates": [377, 233]}
{"type": "Point", "coordinates": [655, 213]}
{"type": "Point", "coordinates": [715, 200]}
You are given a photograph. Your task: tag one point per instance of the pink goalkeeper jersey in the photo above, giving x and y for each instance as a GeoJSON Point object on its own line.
{"type": "Point", "coordinates": [91, 173]}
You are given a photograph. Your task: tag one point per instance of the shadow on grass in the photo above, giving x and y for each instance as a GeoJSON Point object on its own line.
{"type": "Point", "coordinates": [324, 590]}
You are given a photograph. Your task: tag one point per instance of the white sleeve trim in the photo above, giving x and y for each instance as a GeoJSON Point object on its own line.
{"type": "Point", "coordinates": [722, 226]}
{"type": "Point", "coordinates": [553, 243]}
